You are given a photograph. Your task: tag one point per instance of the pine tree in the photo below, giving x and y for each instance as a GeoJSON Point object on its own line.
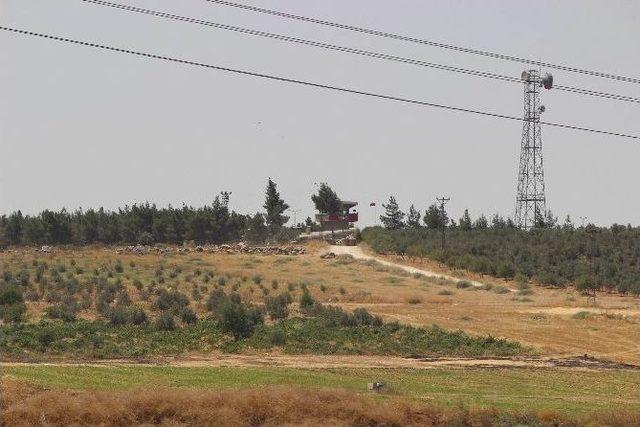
{"type": "Point", "coordinates": [435, 218]}
{"type": "Point", "coordinates": [465, 221]}
{"type": "Point", "coordinates": [393, 217]}
{"type": "Point", "coordinates": [413, 217]}
{"type": "Point", "coordinates": [275, 207]}
{"type": "Point", "coordinates": [481, 223]}
{"type": "Point", "coordinates": [326, 201]}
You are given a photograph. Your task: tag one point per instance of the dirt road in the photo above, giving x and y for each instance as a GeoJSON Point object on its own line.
{"type": "Point", "coordinates": [358, 253]}
{"type": "Point", "coordinates": [347, 361]}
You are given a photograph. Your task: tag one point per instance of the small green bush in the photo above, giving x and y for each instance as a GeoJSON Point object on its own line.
{"type": "Point", "coordinates": [463, 284]}
{"type": "Point", "coordinates": [165, 322]}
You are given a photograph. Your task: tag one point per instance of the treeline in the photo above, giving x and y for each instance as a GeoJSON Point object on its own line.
{"type": "Point", "coordinates": [147, 224]}
{"type": "Point", "coordinates": [592, 258]}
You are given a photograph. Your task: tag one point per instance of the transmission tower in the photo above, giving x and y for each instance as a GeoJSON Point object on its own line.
{"type": "Point", "coordinates": [531, 200]}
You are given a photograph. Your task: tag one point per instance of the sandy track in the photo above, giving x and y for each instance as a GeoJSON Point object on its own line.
{"type": "Point", "coordinates": [350, 362]}
{"type": "Point", "coordinates": [358, 253]}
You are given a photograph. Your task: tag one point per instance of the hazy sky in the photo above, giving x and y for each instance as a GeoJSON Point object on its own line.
{"type": "Point", "coordinates": [85, 128]}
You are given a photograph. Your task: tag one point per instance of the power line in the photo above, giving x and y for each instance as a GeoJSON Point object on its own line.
{"type": "Point", "coordinates": [360, 52]}
{"type": "Point", "coordinates": [427, 42]}
{"type": "Point", "coordinates": [307, 83]}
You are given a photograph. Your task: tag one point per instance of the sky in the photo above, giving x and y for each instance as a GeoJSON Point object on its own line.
{"type": "Point", "coordinates": [86, 128]}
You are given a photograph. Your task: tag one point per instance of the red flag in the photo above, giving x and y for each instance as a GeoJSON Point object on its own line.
{"type": "Point", "coordinates": [372, 204]}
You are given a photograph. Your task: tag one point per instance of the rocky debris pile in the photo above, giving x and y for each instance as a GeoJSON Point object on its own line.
{"type": "Point", "coordinates": [347, 241]}
{"type": "Point", "coordinates": [238, 248]}
{"type": "Point", "coordinates": [328, 255]}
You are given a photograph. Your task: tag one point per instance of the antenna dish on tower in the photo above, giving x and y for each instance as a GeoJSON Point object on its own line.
{"type": "Point", "coordinates": [547, 81]}
{"type": "Point", "coordinates": [524, 76]}
{"type": "Point", "coordinates": [542, 109]}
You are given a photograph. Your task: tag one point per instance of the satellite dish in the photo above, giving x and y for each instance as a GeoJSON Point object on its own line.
{"type": "Point", "coordinates": [542, 109]}
{"type": "Point", "coordinates": [524, 76]}
{"type": "Point", "coordinates": [547, 81]}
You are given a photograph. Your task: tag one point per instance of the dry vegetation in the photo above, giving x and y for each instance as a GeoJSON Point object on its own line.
{"type": "Point", "coordinates": [27, 406]}
{"type": "Point", "coordinates": [548, 319]}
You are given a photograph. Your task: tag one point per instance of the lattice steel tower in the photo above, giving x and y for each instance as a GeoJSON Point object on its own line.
{"type": "Point", "coordinates": [531, 200]}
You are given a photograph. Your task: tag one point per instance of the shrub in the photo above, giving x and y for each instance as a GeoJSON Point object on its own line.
{"type": "Point", "coordinates": [222, 281]}
{"type": "Point", "coordinates": [274, 284]}
{"type": "Point", "coordinates": [165, 322]}
{"type": "Point", "coordinates": [278, 337]}
{"type": "Point", "coordinates": [581, 315]}
{"type": "Point", "coordinates": [257, 279]}
{"type": "Point", "coordinates": [119, 316]}
{"type": "Point", "coordinates": [342, 290]}
{"type": "Point", "coordinates": [414, 300]}
{"type": "Point", "coordinates": [173, 300]}
{"type": "Point", "coordinates": [445, 292]}
{"type": "Point", "coordinates": [237, 320]}
{"type": "Point", "coordinates": [46, 336]}
{"type": "Point", "coordinates": [277, 307]}
{"type": "Point", "coordinates": [12, 306]}
{"type": "Point", "coordinates": [188, 316]}
{"type": "Point", "coordinates": [138, 316]}
{"type": "Point", "coordinates": [323, 288]}
{"type": "Point", "coordinates": [362, 317]}
{"type": "Point", "coordinates": [463, 284]}
{"type": "Point", "coordinates": [65, 310]}
{"type": "Point", "coordinates": [118, 267]}
{"type": "Point", "coordinates": [501, 290]}
{"type": "Point", "coordinates": [215, 300]}
{"type": "Point", "coordinates": [306, 300]}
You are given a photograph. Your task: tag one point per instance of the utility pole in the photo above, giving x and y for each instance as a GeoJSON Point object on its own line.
{"type": "Point", "coordinates": [443, 201]}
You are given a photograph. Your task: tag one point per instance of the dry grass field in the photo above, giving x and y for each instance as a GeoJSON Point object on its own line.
{"type": "Point", "coordinates": [558, 322]}
{"type": "Point", "coordinates": [267, 387]}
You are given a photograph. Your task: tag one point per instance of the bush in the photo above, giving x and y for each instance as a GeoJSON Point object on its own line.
{"type": "Point", "coordinates": [118, 267]}
{"type": "Point", "coordinates": [278, 337]}
{"type": "Point", "coordinates": [46, 336]}
{"type": "Point", "coordinates": [463, 284]}
{"type": "Point", "coordinates": [138, 316]}
{"type": "Point", "coordinates": [257, 279]}
{"type": "Point", "coordinates": [277, 307]}
{"type": "Point", "coordinates": [216, 299]}
{"type": "Point", "coordinates": [119, 316]}
{"type": "Point", "coordinates": [65, 310]}
{"type": "Point", "coordinates": [445, 292]}
{"type": "Point", "coordinates": [306, 300]}
{"type": "Point", "coordinates": [173, 300]}
{"type": "Point", "coordinates": [237, 320]}
{"type": "Point", "coordinates": [501, 290]}
{"type": "Point", "coordinates": [274, 284]}
{"type": "Point", "coordinates": [187, 316]}
{"type": "Point", "coordinates": [165, 322]}
{"type": "Point", "coordinates": [414, 300]}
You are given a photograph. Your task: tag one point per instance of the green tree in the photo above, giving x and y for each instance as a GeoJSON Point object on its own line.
{"type": "Point", "coordinates": [393, 218]}
{"type": "Point", "coordinates": [435, 218]}
{"type": "Point", "coordinates": [256, 230]}
{"type": "Point", "coordinates": [275, 207]}
{"type": "Point", "coordinates": [326, 201]}
{"type": "Point", "coordinates": [465, 222]}
{"type": "Point", "coordinates": [413, 217]}
{"type": "Point", "coordinates": [238, 320]}
{"type": "Point", "coordinates": [481, 223]}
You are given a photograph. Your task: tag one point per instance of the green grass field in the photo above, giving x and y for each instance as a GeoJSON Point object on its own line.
{"type": "Point", "coordinates": [562, 391]}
